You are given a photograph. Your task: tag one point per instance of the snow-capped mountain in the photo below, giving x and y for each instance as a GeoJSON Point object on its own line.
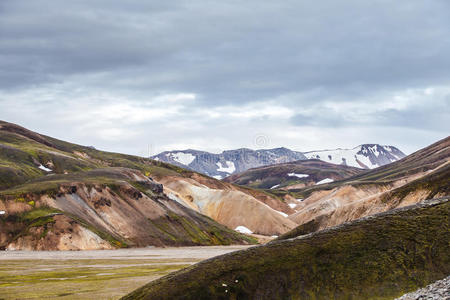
{"type": "Point", "coordinates": [228, 162]}
{"type": "Point", "coordinates": [366, 156]}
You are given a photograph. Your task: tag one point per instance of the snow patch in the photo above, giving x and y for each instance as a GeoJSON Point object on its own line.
{"type": "Point", "coordinates": [299, 199]}
{"type": "Point", "coordinates": [297, 175]}
{"type": "Point", "coordinates": [176, 199]}
{"type": "Point", "coordinates": [292, 205]}
{"type": "Point", "coordinates": [326, 180]}
{"type": "Point", "coordinates": [183, 158]}
{"type": "Point", "coordinates": [243, 229]}
{"type": "Point", "coordinates": [374, 150]}
{"type": "Point", "coordinates": [156, 158]}
{"type": "Point", "coordinates": [275, 186]}
{"type": "Point", "coordinates": [218, 177]}
{"type": "Point", "coordinates": [44, 168]}
{"type": "Point", "coordinates": [281, 213]}
{"type": "Point", "coordinates": [228, 168]}
{"type": "Point", "coordinates": [349, 157]}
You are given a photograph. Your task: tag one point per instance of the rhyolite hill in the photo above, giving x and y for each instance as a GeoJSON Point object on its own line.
{"type": "Point", "coordinates": [56, 195]}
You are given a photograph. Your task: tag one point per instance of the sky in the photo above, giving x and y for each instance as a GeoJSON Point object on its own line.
{"type": "Point", "coordinates": [141, 77]}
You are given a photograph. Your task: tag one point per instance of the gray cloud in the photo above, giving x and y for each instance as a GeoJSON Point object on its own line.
{"type": "Point", "coordinates": [309, 60]}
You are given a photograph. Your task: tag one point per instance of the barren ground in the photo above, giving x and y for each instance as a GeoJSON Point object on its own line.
{"type": "Point", "coordinates": [103, 274]}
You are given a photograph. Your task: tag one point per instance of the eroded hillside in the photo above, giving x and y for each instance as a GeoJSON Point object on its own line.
{"type": "Point", "coordinates": [102, 209]}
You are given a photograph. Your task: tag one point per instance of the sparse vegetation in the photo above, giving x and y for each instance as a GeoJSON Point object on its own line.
{"type": "Point", "coordinates": [80, 279]}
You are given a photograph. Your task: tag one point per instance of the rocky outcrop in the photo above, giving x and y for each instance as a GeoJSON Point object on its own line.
{"type": "Point", "coordinates": [381, 256]}
{"type": "Point", "coordinates": [440, 290]}
{"type": "Point", "coordinates": [58, 232]}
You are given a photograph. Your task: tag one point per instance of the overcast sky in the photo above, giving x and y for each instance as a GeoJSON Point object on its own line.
{"type": "Point", "coordinates": [137, 76]}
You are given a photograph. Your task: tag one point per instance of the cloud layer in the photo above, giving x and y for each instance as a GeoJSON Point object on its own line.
{"type": "Point", "coordinates": [136, 77]}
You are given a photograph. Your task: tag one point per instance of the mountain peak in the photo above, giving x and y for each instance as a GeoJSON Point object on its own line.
{"type": "Point", "coordinates": [230, 161]}
{"type": "Point", "coordinates": [366, 156]}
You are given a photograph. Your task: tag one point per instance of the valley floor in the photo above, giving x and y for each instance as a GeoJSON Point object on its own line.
{"type": "Point", "coordinates": [103, 274]}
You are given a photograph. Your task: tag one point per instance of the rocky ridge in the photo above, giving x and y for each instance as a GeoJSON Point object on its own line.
{"type": "Point", "coordinates": [439, 290]}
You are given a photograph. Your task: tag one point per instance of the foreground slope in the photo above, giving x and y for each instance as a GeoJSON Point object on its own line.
{"type": "Point", "coordinates": [378, 257]}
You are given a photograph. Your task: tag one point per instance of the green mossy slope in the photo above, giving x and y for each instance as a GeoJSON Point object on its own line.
{"type": "Point", "coordinates": [378, 257]}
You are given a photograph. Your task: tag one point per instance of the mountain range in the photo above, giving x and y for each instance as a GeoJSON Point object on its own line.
{"type": "Point", "coordinates": [57, 195]}
{"type": "Point", "coordinates": [230, 162]}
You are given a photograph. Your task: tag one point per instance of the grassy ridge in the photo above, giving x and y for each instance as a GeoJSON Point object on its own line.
{"type": "Point", "coordinates": [374, 258]}
{"type": "Point", "coordinates": [22, 151]}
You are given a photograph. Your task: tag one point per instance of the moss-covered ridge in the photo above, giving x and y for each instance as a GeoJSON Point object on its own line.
{"type": "Point", "coordinates": [378, 257]}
